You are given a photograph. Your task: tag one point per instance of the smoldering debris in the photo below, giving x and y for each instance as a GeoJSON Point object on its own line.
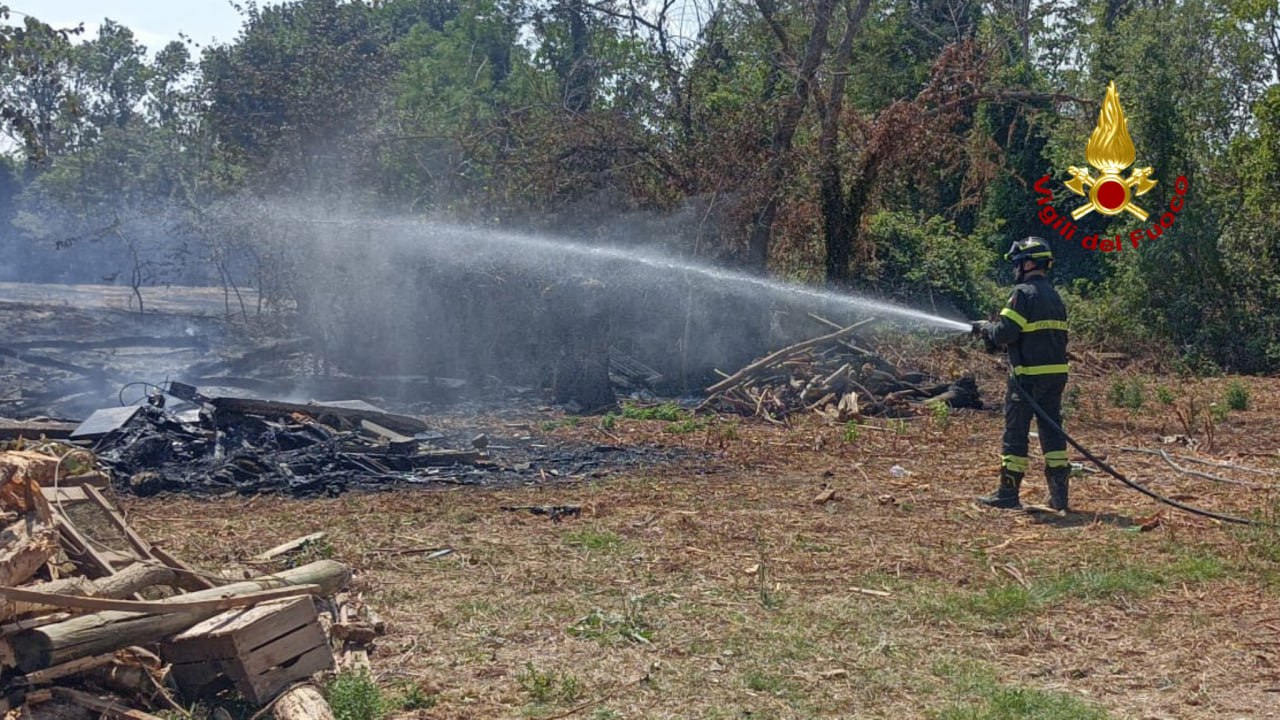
{"type": "Point", "coordinates": [838, 377]}
{"type": "Point", "coordinates": [245, 446]}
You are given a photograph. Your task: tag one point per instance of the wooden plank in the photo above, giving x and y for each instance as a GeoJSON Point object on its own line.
{"type": "Point", "coordinates": [284, 648]}
{"type": "Point", "coordinates": [171, 605]}
{"type": "Point", "coordinates": [118, 559]}
{"type": "Point", "coordinates": [140, 546]}
{"type": "Point", "coordinates": [263, 687]}
{"type": "Point", "coordinates": [35, 429]}
{"type": "Point", "coordinates": [290, 546]}
{"type": "Point", "coordinates": [65, 495]}
{"type": "Point", "coordinates": [399, 423]}
{"type": "Point", "coordinates": [95, 479]}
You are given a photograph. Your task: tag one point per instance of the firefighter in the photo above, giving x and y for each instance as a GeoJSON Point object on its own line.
{"type": "Point", "coordinates": [1033, 329]}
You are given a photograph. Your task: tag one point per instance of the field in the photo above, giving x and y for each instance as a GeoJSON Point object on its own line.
{"type": "Point", "coordinates": [727, 588]}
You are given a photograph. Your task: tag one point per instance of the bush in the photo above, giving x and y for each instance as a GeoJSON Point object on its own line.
{"type": "Point", "coordinates": [355, 696]}
{"type": "Point", "coordinates": [924, 259]}
{"type": "Point", "coordinates": [1237, 396]}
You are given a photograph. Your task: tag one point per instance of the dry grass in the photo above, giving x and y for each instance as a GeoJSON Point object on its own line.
{"type": "Point", "coordinates": [721, 590]}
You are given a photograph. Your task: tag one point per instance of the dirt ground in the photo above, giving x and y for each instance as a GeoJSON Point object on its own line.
{"type": "Point", "coordinates": [724, 589]}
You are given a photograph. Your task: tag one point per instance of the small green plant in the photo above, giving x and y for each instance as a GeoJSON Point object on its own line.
{"type": "Point", "coordinates": [1237, 396]}
{"type": "Point", "coordinates": [1218, 412]}
{"type": "Point", "coordinates": [1134, 395]}
{"type": "Point", "coordinates": [1115, 394]}
{"type": "Point", "coordinates": [608, 626]}
{"type": "Point", "coordinates": [353, 695]}
{"type": "Point", "coordinates": [1164, 395]}
{"type": "Point", "coordinates": [413, 697]}
{"type": "Point", "coordinates": [941, 414]}
{"type": "Point", "coordinates": [762, 682]}
{"type": "Point", "coordinates": [668, 411]}
{"type": "Point", "coordinates": [549, 686]}
{"type": "Point", "coordinates": [609, 421]}
{"type": "Point", "coordinates": [727, 431]}
{"type": "Point", "coordinates": [310, 551]}
{"type": "Point", "coordinates": [851, 432]}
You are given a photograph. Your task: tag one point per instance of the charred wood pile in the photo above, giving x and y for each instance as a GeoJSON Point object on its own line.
{"type": "Point", "coordinates": [837, 376]}
{"type": "Point", "coordinates": [95, 618]}
{"type": "Point", "coordinates": [182, 441]}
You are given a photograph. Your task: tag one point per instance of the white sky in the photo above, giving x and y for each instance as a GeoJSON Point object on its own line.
{"type": "Point", "coordinates": [154, 22]}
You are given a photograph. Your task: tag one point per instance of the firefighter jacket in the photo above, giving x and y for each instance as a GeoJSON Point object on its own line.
{"type": "Point", "coordinates": [1033, 327]}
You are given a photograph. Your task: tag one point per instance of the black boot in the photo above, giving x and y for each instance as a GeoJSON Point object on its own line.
{"type": "Point", "coordinates": [1058, 480]}
{"type": "Point", "coordinates": [1005, 496]}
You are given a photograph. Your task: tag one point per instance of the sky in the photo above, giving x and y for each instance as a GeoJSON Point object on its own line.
{"type": "Point", "coordinates": [154, 22]}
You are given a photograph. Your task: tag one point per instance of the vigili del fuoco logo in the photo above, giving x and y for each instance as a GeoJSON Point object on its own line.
{"type": "Point", "coordinates": [1110, 151]}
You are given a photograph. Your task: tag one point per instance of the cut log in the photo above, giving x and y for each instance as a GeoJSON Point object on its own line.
{"type": "Point", "coordinates": [302, 702]}
{"type": "Point", "coordinates": [25, 546]}
{"type": "Point", "coordinates": [67, 586]}
{"type": "Point", "coordinates": [111, 630]}
{"type": "Point", "coordinates": [134, 578]}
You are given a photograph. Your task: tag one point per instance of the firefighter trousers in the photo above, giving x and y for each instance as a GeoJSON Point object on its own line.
{"type": "Point", "coordinates": [1047, 391]}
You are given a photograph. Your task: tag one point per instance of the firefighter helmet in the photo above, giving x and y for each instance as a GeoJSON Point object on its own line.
{"type": "Point", "coordinates": [1030, 248]}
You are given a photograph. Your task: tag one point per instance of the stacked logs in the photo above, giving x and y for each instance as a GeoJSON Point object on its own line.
{"type": "Point", "coordinates": [94, 618]}
{"type": "Point", "coordinates": [836, 376]}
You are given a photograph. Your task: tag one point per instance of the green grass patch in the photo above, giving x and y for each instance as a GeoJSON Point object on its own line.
{"type": "Point", "coordinates": [975, 693]}
{"type": "Point", "coordinates": [596, 540]}
{"type": "Point", "coordinates": [1006, 602]}
{"type": "Point", "coordinates": [549, 686]}
{"type": "Point", "coordinates": [668, 411]}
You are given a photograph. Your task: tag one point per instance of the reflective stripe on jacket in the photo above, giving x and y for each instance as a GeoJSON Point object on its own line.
{"type": "Point", "coordinates": [1033, 326]}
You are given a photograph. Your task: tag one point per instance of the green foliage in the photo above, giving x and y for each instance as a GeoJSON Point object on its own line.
{"type": "Point", "coordinates": [1219, 412]}
{"type": "Point", "coordinates": [929, 258]}
{"type": "Point", "coordinates": [1237, 396]}
{"type": "Point", "coordinates": [1127, 393]}
{"type": "Point", "coordinates": [1164, 395]}
{"type": "Point", "coordinates": [548, 686]}
{"type": "Point", "coordinates": [609, 421]}
{"type": "Point", "coordinates": [940, 413]}
{"type": "Point", "coordinates": [629, 625]}
{"type": "Point", "coordinates": [509, 111]}
{"type": "Point", "coordinates": [668, 411]}
{"type": "Point", "coordinates": [850, 433]}
{"type": "Point", "coordinates": [353, 695]}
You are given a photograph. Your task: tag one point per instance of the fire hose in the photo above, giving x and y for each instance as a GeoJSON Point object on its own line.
{"type": "Point", "coordinates": [1043, 417]}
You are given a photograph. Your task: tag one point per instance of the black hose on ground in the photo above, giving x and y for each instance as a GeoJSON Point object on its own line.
{"type": "Point", "coordinates": [1044, 418]}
